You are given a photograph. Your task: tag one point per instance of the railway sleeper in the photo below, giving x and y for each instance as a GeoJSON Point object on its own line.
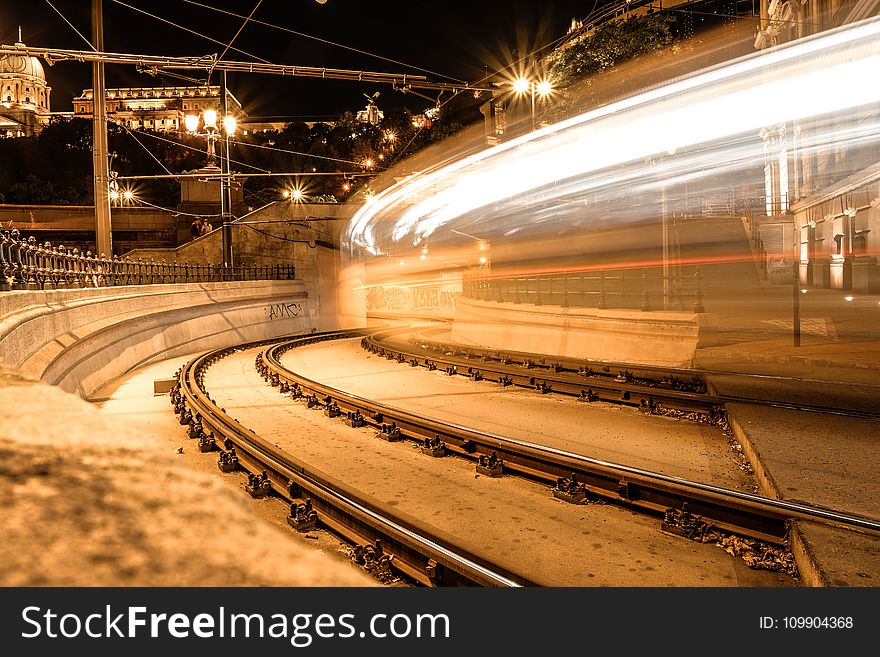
{"type": "Point", "coordinates": [207, 443]}
{"type": "Point", "coordinates": [354, 419]}
{"type": "Point", "coordinates": [434, 447]}
{"type": "Point", "coordinates": [258, 486]}
{"type": "Point", "coordinates": [195, 428]}
{"type": "Point", "coordinates": [332, 409]}
{"type": "Point", "coordinates": [389, 432]}
{"type": "Point", "coordinates": [682, 522]}
{"type": "Point", "coordinates": [374, 560]}
{"type": "Point", "coordinates": [490, 465]}
{"type": "Point", "coordinates": [588, 396]}
{"type": "Point", "coordinates": [569, 489]}
{"type": "Point", "coordinates": [302, 517]}
{"type": "Point", "coordinates": [228, 461]}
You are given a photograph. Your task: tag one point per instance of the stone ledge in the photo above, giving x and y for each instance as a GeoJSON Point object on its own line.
{"type": "Point", "coordinates": [82, 339]}
{"type": "Point", "coordinates": [89, 502]}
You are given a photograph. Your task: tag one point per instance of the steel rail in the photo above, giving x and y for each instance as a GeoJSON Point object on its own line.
{"type": "Point", "coordinates": [735, 511]}
{"type": "Point", "coordinates": [636, 385]}
{"type": "Point", "coordinates": [416, 551]}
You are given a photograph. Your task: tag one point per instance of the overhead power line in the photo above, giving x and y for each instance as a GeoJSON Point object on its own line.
{"type": "Point", "coordinates": [401, 82]}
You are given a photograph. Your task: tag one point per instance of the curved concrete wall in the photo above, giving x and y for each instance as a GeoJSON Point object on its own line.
{"type": "Point", "coordinates": [650, 338]}
{"type": "Point", "coordinates": [81, 339]}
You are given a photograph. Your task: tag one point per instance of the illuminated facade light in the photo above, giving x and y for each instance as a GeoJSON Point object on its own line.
{"type": "Point", "coordinates": [191, 121]}
{"type": "Point", "coordinates": [229, 124]}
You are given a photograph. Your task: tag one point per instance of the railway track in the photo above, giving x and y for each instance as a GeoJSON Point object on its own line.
{"type": "Point", "coordinates": [385, 541]}
{"type": "Point", "coordinates": [656, 390]}
{"type": "Point", "coordinates": [682, 504]}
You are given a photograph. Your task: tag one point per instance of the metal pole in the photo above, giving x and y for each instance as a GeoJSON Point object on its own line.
{"type": "Point", "coordinates": [100, 156]}
{"type": "Point", "coordinates": [533, 104]}
{"type": "Point", "coordinates": [796, 306]}
{"type": "Point", "coordinates": [225, 195]}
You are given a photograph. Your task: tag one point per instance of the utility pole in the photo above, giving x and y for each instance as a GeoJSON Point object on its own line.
{"type": "Point", "coordinates": [225, 192]}
{"type": "Point", "coordinates": [100, 156]}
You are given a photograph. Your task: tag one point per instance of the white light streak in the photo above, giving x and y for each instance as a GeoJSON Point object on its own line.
{"type": "Point", "coordinates": [709, 121]}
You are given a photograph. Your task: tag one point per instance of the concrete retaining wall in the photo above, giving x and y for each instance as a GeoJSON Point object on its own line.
{"type": "Point", "coordinates": [81, 339]}
{"type": "Point", "coordinates": [650, 338]}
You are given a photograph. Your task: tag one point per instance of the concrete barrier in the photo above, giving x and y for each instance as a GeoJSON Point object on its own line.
{"type": "Point", "coordinates": [650, 338]}
{"type": "Point", "coordinates": [81, 339]}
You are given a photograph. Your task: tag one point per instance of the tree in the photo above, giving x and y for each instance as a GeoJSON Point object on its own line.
{"type": "Point", "coordinates": [609, 44]}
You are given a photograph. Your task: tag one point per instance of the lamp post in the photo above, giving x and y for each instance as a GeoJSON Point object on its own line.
{"type": "Point", "coordinates": [541, 88]}
{"type": "Point", "coordinates": [212, 133]}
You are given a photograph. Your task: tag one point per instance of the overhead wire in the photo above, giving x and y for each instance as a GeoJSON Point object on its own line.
{"type": "Point", "coordinates": [133, 136]}
{"type": "Point", "coordinates": [176, 213]}
{"type": "Point", "coordinates": [325, 41]}
{"type": "Point", "coordinates": [229, 45]}
{"type": "Point", "coordinates": [186, 29]}
{"type": "Point", "coordinates": [72, 27]}
{"type": "Point", "coordinates": [289, 152]}
{"type": "Point", "coordinates": [192, 148]}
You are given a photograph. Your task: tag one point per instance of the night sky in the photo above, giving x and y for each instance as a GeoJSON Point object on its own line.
{"type": "Point", "coordinates": [456, 39]}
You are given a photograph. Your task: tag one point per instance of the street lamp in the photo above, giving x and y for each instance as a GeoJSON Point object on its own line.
{"type": "Point", "coordinates": [211, 130]}
{"type": "Point", "coordinates": [543, 88]}
{"type": "Point", "coordinates": [212, 134]}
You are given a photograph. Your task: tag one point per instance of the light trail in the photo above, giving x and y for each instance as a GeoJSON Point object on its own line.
{"type": "Point", "coordinates": [626, 155]}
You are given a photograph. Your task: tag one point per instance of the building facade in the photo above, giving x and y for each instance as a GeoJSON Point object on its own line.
{"type": "Point", "coordinates": [155, 108]}
{"type": "Point", "coordinates": [822, 177]}
{"type": "Point", "coordinates": [24, 95]}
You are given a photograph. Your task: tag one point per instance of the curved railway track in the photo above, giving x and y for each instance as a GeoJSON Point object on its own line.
{"type": "Point", "coordinates": [384, 539]}
{"type": "Point", "coordinates": [655, 390]}
{"type": "Point", "coordinates": [387, 541]}
{"type": "Point", "coordinates": [737, 512]}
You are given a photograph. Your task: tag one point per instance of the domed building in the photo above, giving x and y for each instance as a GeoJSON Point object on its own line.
{"type": "Point", "coordinates": [24, 95]}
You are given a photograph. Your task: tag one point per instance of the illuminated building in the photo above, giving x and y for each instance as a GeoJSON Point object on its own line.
{"type": "Point", "coordinates": [24, 95]}
{"type": "Point", "coordinates": [155, 108]}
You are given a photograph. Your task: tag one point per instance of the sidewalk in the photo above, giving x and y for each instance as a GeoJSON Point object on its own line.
{"type": "Point", "coordinates": [814, 458]}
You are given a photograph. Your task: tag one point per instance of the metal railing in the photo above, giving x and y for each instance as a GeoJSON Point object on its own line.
{"type": "Point", "coordinates": [28, 265]}
{"type": "Point", "coordinates": [618, 288]}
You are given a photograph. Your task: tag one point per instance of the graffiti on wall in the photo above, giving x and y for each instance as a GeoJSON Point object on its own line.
{"type": "Point", "coordinates": [428, 298]}
{"type": "Point", "coordinates": [282, 310]}
{"type": "Point", "coordinates": [387, 298]}
{"type": "Point", "coordinates": [390, 299]}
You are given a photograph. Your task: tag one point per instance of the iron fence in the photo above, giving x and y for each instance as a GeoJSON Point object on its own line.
{"type": "Point", "coordinates": [28, 265]}
{"type": "Point", "coordinates": [622, 288]}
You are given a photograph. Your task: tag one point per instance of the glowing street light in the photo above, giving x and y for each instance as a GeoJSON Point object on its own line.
{"type": "Point", "coordinates": [211, 131]}
{"type": "Point", "coordinates": [543, 88]}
